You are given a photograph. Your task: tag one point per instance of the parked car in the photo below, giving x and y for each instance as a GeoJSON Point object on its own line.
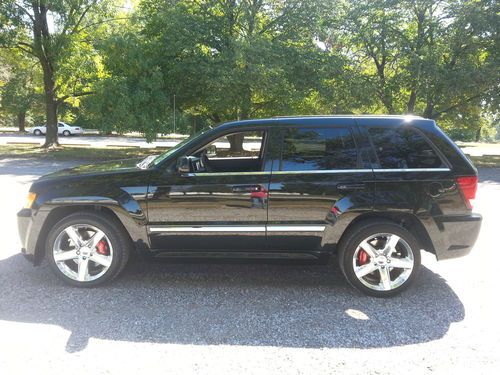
{"type": "Point", "coordinates": [62, 129]}
{"type": "Point", "coordinates": [372, 190]}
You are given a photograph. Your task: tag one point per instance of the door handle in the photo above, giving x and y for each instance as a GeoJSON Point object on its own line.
{"type": "Point", "coordinates": [246, 188]}
{"type": "Point", "coordinates": [351, 186]}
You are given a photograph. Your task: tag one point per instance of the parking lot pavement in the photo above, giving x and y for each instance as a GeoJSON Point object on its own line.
{"type": "Point", "coordinates": [216, 318]}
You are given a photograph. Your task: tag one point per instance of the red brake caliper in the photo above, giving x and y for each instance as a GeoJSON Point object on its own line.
{"type": "Point", "coordinates": [362, 257]}
{"type": "Point", "coordinates": [102, 247]}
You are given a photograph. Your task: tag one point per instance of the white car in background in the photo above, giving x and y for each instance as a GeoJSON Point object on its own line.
{"type": "Point", "coordinates": [62, 128]}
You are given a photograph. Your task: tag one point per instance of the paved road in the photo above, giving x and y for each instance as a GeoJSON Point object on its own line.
{"type": "Point", "coordinates": [246, 318]}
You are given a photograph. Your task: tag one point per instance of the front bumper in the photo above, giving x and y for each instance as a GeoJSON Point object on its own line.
{"type": "Point", "coordinates": [455, 235]}
{"type": "Point", "coordinates": [27, 232]}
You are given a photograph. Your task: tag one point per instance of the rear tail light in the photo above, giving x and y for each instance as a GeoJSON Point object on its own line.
{"type": "Point", "coordinates": [468, 186]}
{"type": "Point", "coordinates": [77, 128]}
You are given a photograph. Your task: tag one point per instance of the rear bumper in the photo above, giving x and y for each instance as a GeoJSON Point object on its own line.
{"type": "Point", "coordinates": [455, 235]}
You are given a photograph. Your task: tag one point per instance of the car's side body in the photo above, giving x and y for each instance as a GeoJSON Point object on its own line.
{"type": "Point", "coordinates": [62, 129]}
{"type": "Point", "coordinates": [269, 212]}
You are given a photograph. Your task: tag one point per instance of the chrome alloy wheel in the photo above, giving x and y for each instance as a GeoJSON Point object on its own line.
{"type": "Point", "coordinates": [383, 261]}
{"type": "Point", "coordinates": [82, 252]}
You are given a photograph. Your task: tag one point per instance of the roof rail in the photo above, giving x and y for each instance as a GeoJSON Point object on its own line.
{"type": "Point", "coordinates": [351, 115]}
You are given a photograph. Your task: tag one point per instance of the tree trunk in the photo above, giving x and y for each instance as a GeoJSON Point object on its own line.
{"type": "Point", "coordinates": [195, 125]}
{"type": "Point", "coordinates": [236, 142]}
{"type": "Point", "coordinates": [51, 139]}
{"type": "Point", "coordinates": [429, 110]}
{"type": "Point", "coordinates": [478, 134]}
{"type": "Point", "coordinates": [384, 93]}
{"type": "Point", "coordinates": [21, 121]}
{"type": "Point", "coordinates": [412, 101]}
{"type": "Point", "coordinates": [420, 15]}
{"type": "Point", "coordinates": [42, 47]}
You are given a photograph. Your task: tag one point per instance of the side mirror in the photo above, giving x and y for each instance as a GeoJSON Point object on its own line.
{"type": "Point", "coordinates": [183, 165]}
{"type": "Point", "coordinates": [211, 150]}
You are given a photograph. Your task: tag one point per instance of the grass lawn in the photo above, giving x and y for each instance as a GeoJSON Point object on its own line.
{"type": "Point", "coordinates": [75, 153]}
{"type": "Point", "coordinates": [477, 144]}
{"type": "Point", "coordinates": [488, 161]}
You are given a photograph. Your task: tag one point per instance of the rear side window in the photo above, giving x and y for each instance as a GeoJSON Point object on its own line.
{"type": "Point", "coordinates": [403, 148]}
{"type": "Point", "coordinates": [318, 149]}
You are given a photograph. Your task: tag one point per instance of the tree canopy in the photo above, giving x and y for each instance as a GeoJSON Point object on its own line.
{"type": "Point", "coordinates": [152, 65]}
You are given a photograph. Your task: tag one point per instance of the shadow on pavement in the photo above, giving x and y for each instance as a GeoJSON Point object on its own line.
{"type": "Point", "coordinates": [284, 305]}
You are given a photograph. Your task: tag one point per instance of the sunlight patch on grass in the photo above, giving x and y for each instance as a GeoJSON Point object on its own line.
{"type": "Point", "coordinates": [75, 152]}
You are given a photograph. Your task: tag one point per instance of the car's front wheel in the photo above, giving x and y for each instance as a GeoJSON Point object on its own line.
{"type": "Point", "coordinates": [379, 259]}
{"type": "Point", "coordinates": [87, 249]}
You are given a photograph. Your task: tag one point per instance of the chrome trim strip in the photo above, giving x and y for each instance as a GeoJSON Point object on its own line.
{"type": "Point", "coordinates": [326, 171]}
{"type": "Point", "coordinates": [240, 228]}
{"type": "Point", "coordinates": [364, 170]}
{"type": "Point", "coordinates": [412, 170]}
{"type": "Point", "coordinates": [203, 174]}
{"type": "Point", "coordinates": [295, 228]}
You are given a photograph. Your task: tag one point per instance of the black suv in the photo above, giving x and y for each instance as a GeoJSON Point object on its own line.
{"type": "Point", "coordinates": [374, 190]}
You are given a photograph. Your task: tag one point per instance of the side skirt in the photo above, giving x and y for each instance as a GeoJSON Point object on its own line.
{"type": "Point", "coordinates": [241, 255]}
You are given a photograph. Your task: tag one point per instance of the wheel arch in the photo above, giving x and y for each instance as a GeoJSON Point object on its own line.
{"type": "Point", "coordinates": [406, 220]}
{"type": "Point", "coordinates": [58, 213]}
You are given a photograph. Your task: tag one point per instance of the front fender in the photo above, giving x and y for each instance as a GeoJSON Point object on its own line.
{"type": "Point", "coordinates": [35, 224]}
{"type": "Point", "coordinates": [125, 208]}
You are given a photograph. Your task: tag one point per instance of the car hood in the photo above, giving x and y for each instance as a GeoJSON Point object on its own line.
{"type": "Point", "coordinates": [108, 167]}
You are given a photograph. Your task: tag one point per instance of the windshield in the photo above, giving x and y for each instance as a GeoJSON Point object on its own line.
{"type": "Point", "coordinates": [165, 155]}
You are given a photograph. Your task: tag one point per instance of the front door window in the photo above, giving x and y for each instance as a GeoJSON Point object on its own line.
{"type": "Point", "coordinates": [235, 152]}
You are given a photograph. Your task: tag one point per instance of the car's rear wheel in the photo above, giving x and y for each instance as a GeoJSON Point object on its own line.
{"type": "Point", "coordinates": [66, 133]}
{"type": "Point", "coordinates": [37, 132]}
{"type": "Point", "coordinates": [379, 259]}
{"type": "Point", "coordinates": [87, 249]}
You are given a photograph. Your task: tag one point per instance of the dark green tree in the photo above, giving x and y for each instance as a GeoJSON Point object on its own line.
{"type": "Point", "coordinates": [57, 33]}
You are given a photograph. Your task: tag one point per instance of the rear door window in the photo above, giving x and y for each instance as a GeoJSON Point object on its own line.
{"type": "Point", "coordinates": [403, 148]}
{"type": "Point", "coordinates": [318, 149]}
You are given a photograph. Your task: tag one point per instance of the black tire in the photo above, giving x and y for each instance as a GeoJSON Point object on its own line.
{"type": "Point", "coordinates": [37, 132]}
{"type": "Point", "coordinates": [115, 235]}
{"type": "Point", "coordinates": [66, 133]}
{"type": "Point", "coordinates": [352, 239]}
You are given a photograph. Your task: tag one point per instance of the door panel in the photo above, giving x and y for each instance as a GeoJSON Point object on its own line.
{"type": "Point", "coordinates": [301, 203]}
{"type": "Point", "coordinates": [222, 208]}
{"type": "Point", "coordinates": [209, 212]}
{"type": "Point", "coordinates": [319, 168]}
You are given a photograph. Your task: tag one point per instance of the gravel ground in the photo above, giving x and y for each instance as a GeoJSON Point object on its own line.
{"type": "Point", "coordinates": [249, 318]}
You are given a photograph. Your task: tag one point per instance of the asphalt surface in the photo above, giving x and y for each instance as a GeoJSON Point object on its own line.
{"type": "Point", "coordinates": [217, 318]}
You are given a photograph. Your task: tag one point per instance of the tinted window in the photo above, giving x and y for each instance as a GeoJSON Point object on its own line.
{"type": "Point", "coordinates": [403, 148]}
{"type": "Point", "coordinates": [318, 149]}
